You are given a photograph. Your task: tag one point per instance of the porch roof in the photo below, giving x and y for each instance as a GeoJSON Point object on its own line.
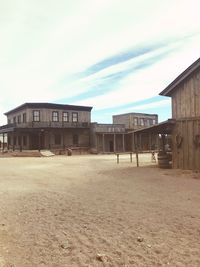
{"type": "Point", "coordinates": [164, 127]}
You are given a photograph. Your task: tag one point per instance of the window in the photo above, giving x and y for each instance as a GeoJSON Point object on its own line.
{"type": "Point", "coordinates": [9, 121]}
{"type": "Point", "coordinates": [74, 117]}
{"type": "Point", "coordinates": [57, 139]}
{"type": "Point", "coordinates": [55, 116]}
{"type": "Point", "coordinates": [14, 140]}
{"type": "Point", "coordinates": [65, 116]}
{"type": "Point", "coordinates": [135, 121]}
{"type": "Point", "coordinates": [151, 122]}
{"type": "Point", "coordinates": [147, 123]}
{"type": "Point", "coordinates": [142, 122]}
{"type": "Point", "coordinates": [24, 117]}
{"type": "Point", "coordinates": [36, 115]}
{"type": "Point", "coordinates": [14, 120]}
{"type": "Point", "coordinates": [154, 121]}
{"type": "Point", "coordinates": [19, 118]}
{"type": "Point", "coordinates": [75, 139]}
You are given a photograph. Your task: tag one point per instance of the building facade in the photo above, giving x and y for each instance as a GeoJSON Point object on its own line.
{"type": "Point", "coordinates": [136, 121]}
{"type": "Point", "coordinates": [185, 94]}
{"type": "Point", "coordinates": [37, 126]}
{"type": "Point", "coordinates": [106, 138]}
{"type": "Point", "coordinates": [47, 126]}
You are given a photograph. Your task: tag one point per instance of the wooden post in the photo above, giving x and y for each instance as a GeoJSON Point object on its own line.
{"type": "Point", "coordinates": [3, 142]}
{"type": "Point", "coordinates": [114, 142]}
{"type": "Point", "coordinates": [117, 158]}
{"type": "Point", "coordinates": [136, 149]}
{"type": "Point", "coordinates": [123, 143]}
{"type": "Point", "coordinates": [131, 158]}
{"type": "Point", "coordinates": [39, 141]}
{"type": "Point", "coordinates": [103, 141]}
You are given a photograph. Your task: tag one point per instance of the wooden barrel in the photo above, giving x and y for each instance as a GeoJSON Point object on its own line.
{"type": "Point", "coordinates": [163, 161]}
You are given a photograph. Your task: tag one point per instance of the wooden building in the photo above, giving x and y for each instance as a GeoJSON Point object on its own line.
{"type": "Point", "coordinates": [47, 126]}
{"type": "Point", "coordinates": [135, 121]}
{"type": "Point", "coordinates": [108, 138]}
{"type": "Point", "coordinates": [185, 94]}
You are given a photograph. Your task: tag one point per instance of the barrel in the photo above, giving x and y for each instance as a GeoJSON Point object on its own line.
{"type": "Point", "coordinates": [163, 161]}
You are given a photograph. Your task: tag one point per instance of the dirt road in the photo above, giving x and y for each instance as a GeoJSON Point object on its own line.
{"type": "Point", "coordinates": [89, 211]}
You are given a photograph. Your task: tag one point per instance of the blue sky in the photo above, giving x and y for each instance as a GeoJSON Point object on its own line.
{"type": "Point", "coordinates": [110, 54]}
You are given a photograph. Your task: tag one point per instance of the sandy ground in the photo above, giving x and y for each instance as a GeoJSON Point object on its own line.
{"type": "Point", "coordinates": [89, 211]}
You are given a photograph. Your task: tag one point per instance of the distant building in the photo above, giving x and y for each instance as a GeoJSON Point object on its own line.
{"type": "Point", "coordinates": [47, 126]}
{"type": "Point", "coordinates": [136, 121]}
{"type": "Point", "coordinates": [108, 137]}
{"type": "Point", "coordinates": [36, 126]}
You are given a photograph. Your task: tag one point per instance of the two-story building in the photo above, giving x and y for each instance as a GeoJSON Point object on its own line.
{"type": "Point", "coordinates": [185, 94]}
{"type": "Point", "coordinates": [184, 127]}
{"type": "Point", "coordinates": [47, 126]}
{"type": "Point", "coordinates": [135, 121]}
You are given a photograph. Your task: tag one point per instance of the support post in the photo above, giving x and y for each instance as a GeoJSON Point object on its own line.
{"type": "Point", "coordinates": [136, 149]}
{"type": "Point", "coordinates": [123, 143]}
{"type": "Point", "coordinates": [103, 141]}
{"type": "Point", "coordinates": [114, 142]}
{"type": "Point", "coordinates": [3, 142]}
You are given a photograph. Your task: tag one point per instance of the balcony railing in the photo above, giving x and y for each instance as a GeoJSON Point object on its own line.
{"type": "Point", "coordinates": [47, 125]}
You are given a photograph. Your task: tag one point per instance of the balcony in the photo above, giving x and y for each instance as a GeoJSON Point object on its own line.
{"type": "Point", "coordinates": [37, 125]}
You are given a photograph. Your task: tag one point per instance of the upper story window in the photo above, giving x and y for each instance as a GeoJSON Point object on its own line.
{"type": "Point", "coordinates": [14, 119]}
{"type": "Point", "coordinates": [36, 115]}
{"type": "Point", "coordinates": [154, 121]}
{"type": "Point", "coordinates": [19, 118]}
{"type": "Point", "coordinates": [24, 117]}
{"type": "Point", "coordinates": [142, 122]}
{"type": "Point", "coordinates": [74, 117]}
{"type": "Point", "coordinates": [65, 116]}
{"type": "Point", "coordinates": [135, 121]}
{"type": "Point", "coordinates": [55, 116]}
{"type": "Point", "coordinates": [147, 122]}
{"type": "Point", "coordinates": [9, 121]}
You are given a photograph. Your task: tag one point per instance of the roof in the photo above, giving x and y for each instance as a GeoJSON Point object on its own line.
{"type": "Point", "coordinates": [136, 113]}
{"type": "Point", "coordinates": [182, 77]}
{"type": "Point", "coordinates": [164, 127]}
{"type": "Point", "coordinates": [49, 106]}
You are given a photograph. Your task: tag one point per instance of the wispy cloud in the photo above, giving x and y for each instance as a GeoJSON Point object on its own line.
{"type": "Point", "coordinates": [94, 52]}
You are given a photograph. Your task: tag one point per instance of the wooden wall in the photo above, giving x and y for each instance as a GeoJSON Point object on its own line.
{"type": "Point", "coordinates": [186, 98]}
{"type": "Point", "coordinates": [46, 115]}
{"type": "Point", "coordinates": [186, 144]}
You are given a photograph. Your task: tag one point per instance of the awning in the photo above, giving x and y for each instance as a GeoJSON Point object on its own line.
{"type": "Point", "coordinates": [164, 127]}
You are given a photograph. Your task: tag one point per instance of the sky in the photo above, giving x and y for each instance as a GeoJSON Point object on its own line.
{"type": "Point", "coordinates": [113, 55]}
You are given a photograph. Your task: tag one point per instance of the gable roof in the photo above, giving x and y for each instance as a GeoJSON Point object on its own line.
{"type": "Point", "coordinates": [49, 106]}
{"type": "Point", "coordinates": [184, 75]}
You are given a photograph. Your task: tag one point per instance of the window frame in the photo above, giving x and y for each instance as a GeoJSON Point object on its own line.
{"type": "Point", "coordinates": [24, 117]}
{"type": "Point", "coordinates": [74, 116]}
{"type": "Point", "coordinates": [36, 118]}
{"type": "Point", "coordinates": [55, 116]}
{"type": "Point", "coordinates": [65, 116]}
{"type": "Point", "coordinates": [19, 119]}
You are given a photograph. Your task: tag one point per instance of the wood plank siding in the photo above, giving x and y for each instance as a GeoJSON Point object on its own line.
{"type": "Point", "coordinates": [186, 98]}
{"type": "Point", "coordinates": [186, 150]}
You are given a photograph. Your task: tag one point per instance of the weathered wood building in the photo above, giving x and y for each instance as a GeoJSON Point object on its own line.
{"type": "Point", "coordinates": [47, 126]}
{"type": "Point", "coordinates": [107, 138]}
{"type": "Point", "coordinates": [135, 121]}
{"type": "Point", "coordinates": [185, 94]}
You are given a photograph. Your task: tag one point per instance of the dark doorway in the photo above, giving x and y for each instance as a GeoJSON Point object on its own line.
{"type": "Point", "coordinates": [111, 146]}
{"type": "Point", "coordinates": [37, 141]}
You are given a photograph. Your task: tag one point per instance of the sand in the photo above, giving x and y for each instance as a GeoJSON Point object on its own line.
{"type": "Point", "coordinates": [89, 211]}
